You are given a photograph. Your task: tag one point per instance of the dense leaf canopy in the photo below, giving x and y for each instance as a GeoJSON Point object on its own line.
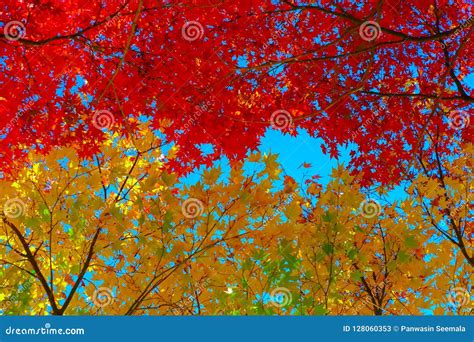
{"type": "Point", "coordinates": [381, 74]}
{"type": "Point", "coordinates": [108, 107]}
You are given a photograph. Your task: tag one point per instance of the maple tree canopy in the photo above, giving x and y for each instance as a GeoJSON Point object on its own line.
{"type": "Point", "coordinates": [384, 75]}
{"type": "Point", "coordinates": [119, 235]}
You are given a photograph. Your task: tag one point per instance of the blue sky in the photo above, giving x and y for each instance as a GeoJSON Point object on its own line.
{"type": "Point", "coordinates": [292, 153]}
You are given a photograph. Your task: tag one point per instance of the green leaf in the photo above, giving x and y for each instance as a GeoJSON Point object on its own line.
{"type": "Point", "coordinates": [410, 241]}
{"type": "Point", "coordinates": [357, 275]}
{"type": "Point", "coordinates": [352, 253]}
{"type": "Point", "coordinates": [328, 217]}
{"type": "Point", "coordinates": [328, 248]}
{"type": "Point", "coordinates": [319, 310]}
{"type": "Point", "coordinates": [403, 257]}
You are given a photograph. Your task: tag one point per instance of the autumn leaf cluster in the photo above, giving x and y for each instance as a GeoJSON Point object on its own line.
{"type": "Point", "coordinates": [107, 107]}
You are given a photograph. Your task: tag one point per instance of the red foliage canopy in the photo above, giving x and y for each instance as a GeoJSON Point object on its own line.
{"type": "Point", "coordinates": [382, 74]}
